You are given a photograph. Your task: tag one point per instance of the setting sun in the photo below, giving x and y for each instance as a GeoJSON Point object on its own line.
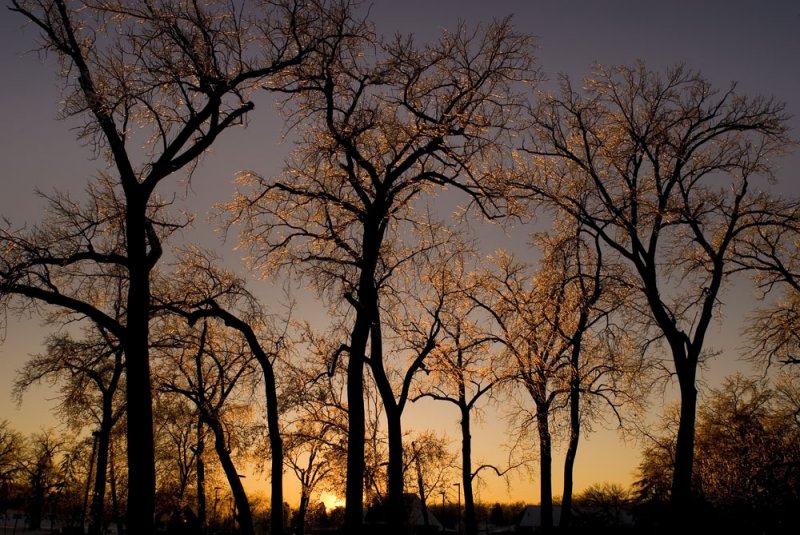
{"type": "Point", "coordinates": [331, 501]}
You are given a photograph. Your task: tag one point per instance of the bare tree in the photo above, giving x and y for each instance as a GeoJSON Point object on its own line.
{"type": "Point", "coordinates": [12, 444]}
{"type": "Point", "coordinates": [460, 372]}
{"type": "Point", "coordinates": [306, 456]}
{"type": "Point", "coordinates": [90, 375]}
{"type": "Point", "coordinates": [748, 462]}
{"type": "Point", "coordinates": [599, 353]}
{"type": "Point", "coordinates": [527, 312]}
{"type": "Point", "coordinates": [384, 123]}
{"type": "Point", "coordinates": [45, 470]}
{"type": "Point", "coordinates": [430, 466]}
{"type": "Point", "coordinates": [171, 76]}
{"type": "Point", "coordinates": [771, 254]}
{"type": "Point", "coordinates": [404, 336]}
{"type": "Point", "coordinates": [665, 169]}
{"type": "Point", "coordinates": [208, 369]}
{"type": "Point", "coordinates": [178, 455]}
{"type": "Point", "coordinates": [199, 289]}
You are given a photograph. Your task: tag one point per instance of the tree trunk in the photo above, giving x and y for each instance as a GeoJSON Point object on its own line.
{"type": "Point", "coordinates": [98, 497]}
{"type": "Point", "coordinates": [396, 504]}
{"type": "Point", "coordinates": [545, 466]}
{"type": "Point", "coordinates": [684, 448]}
{"type": "Point", "coordinates": [572, 448]}
{"type": "Point", "coordinates": [366, 309]}
{"type": "Point", "coordinates": [354, 490]}
{"type": "Point", "coordinates": [300, 523]}
{"type": "Point", "coordinates": [470, 519]}
{"type": "Point", "coordinates": [141, 457]}
{"type": "Point", "coordinates": [394, 413]}
{"type": "Point", "coordinates": [276, 448]}
{"type": "Point", "coordinates": [244, 515]}
{"type": "Point", "coordinates": [365, 316]}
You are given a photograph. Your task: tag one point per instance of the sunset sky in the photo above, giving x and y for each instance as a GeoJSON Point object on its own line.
{"type": "Point", "coordinates": [755, 43]}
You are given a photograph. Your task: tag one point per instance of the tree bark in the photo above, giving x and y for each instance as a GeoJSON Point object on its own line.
{"type": "Point", "coordinates": [684, 447]}
{"type": "Point", "coordinates": [244, 515]}
{"type": "Point", "coordinates": [354, 491]}
{"type": "Point", "coordinates": [545, 466]}
{"type": "Point", "coordinates": [365, 316]}
{"type": "Point", "coordinates": [276, 447]}
{"type": "Point", "coordinates": [98, 497]}
{"type": "Point", "coordinates": [574, 430]}
{"type": "Point", "coordinates": [396, 504]}
{"type": "Point", "coordinates": [470, 519]}
{"type": "Point", "coordinates": [300, 524]}
{"type": "Point", "coordinates": [141, 457]}
{"type": "Point", "coordinates": [569, 460]}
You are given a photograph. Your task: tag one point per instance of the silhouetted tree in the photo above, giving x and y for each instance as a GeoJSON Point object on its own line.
{"type": "Point", "coordinates": [200, 289]}
{"type": "Point", "coordinates": [45, 471]}
{"type": "Point", "coordinates": [175, 425]}
{"type": "Point", "coordinates": [429, 467]}
{"type": "Point", "coordinates": [601, 366]}
{"type": "Point", "coordinates": [384, 123]}
{"type": "Point", "coordinates": [172, 76]}
{"type": "Point", "coordinates": [460, 372]}
{"type": "Point", "coordinates": [89, 372]}
{"type": "Point", "coordinates": [527, 313]}
{"type": "Point", "coordinates": [208, 369]}
{"type": "Point", "coordinates": [12, 444]}
{"type": "Point", "coordinates": [747, 460]}
{"type": "Point", "coordinates": [603, 505]}
{"type": "Point", "coordinates": [665, 170]}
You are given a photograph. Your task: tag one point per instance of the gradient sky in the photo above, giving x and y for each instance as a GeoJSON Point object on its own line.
{"type": "Point", "coordinates": [755, 43]}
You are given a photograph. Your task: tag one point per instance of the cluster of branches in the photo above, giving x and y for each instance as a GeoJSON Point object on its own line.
{"type": "Point", "coordinates": [652, 181]}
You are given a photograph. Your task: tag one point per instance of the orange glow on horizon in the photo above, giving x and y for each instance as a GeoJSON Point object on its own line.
{"type": "Point", "coordinates": [331, 501]}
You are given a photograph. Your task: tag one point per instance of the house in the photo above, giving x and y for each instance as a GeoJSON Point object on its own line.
{"type": "Point", "coordinates": [531, 518]}
{"type": "Point", "coordinates": [376, 515]}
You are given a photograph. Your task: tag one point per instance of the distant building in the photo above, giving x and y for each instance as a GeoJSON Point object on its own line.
{"type": "Point", "coordinates": [531, 517]}
{"type": "Point", "coordinates": [415, 518]}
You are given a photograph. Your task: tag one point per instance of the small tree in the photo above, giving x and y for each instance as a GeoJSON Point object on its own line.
{"type": "Point", "coordinates": [46, 470]}
{"type": "Point", "coordinates": [603, 505]}
{"type": "Point", "coordinates": [90, 375]}
{"type": "Point", "coordinates": [461, 372]}
{"type": "Point", "coordinates": [208, 369]}
{"type": "Point", "coordinates": [12, 445]}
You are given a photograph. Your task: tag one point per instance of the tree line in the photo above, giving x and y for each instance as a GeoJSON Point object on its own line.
{"type": "Point", "coordinates": [655, 187]}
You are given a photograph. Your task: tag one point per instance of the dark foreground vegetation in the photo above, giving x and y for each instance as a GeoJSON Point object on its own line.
{"type": "Point", "coordinates": [652, 193]}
